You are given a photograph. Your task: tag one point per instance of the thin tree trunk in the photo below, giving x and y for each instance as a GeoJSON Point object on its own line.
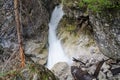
{"type": "Point", "coordinates": [18, 26]}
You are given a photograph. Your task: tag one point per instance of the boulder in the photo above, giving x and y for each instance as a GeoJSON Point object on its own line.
{"type": "Point", "coordinates": [106, 29]}
{"type": "Point", "coordinates": [31, 72]}
{"type": "Point", "coordinates": [62, 71]}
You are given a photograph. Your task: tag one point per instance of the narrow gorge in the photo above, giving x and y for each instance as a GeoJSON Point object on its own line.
{"type": "Point", "coordinates": [62, 40]}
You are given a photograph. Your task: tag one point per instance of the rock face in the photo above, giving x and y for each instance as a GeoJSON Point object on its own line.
{"type": "Point", "coordinates": [50, 4]}
{"type": "Point", "coordinates": [76, 40]}
{"type": "Point", "coordinates": [34, 21]}
{"type": "Point", "coordinates": [107, 33]}
{"type": "Point", "coordinates": [106, 27]}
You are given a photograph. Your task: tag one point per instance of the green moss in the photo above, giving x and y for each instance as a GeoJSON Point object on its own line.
{"type": "Point", "coordinates": [12, 72]}
{"type": "Point", "coordinates": [68, 24]}
{"type": "Point", "coordinates": [32, 68]}
{"type": "Point", "coordinates": [30, 72]}
{"type": "Point", "coordinates": [70, 27]}
{"type": "Point", "coordinates": [90, 42]}
{"type": "Point", "coordinates": [67, 2]}
{"type": "Point", "coordinates": [45, 77]}
{"type": "Point", "coordinates": [100, 5]}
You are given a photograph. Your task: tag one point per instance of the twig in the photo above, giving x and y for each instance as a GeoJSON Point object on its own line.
{"type": "Point", "coordinates": [76, 60]}
{"type": "Point", "coordinates": [6, 63]}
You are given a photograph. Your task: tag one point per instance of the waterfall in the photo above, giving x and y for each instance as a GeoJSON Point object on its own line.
{"type": "Point", "coordinates": [56, 53]}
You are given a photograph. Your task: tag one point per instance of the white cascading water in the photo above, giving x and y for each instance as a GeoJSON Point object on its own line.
{"type": "Point", "coordinates": [56, 53]}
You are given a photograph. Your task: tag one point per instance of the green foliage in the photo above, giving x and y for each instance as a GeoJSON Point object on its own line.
{"type": "Point", "coordinates": [99, 5]}
{"type": "Point", "coordinates": [12, 72]}
{"type": "Point", "coordinates": [70, 27]}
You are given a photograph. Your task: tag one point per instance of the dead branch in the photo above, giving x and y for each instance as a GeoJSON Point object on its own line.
{"type": "Point", "coordinates": [76, 60]}
{"type": "Point", "coordinates": [79, 74]}
{"type": "Point", "coordinates": [17, 19]}
{"type": "Point", "coordinates": [7, 62]}
{"type": "Point", "coordinates": [99, 67]}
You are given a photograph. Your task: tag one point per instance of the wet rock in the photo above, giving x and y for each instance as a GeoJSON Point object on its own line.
{"type": "Point", "coordinates": [76, 42]}
{"type": "Point", "coordinates": [50, 5]}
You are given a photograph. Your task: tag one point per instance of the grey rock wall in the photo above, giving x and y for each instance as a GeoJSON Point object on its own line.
{"type": "Point", "coordinates": [106, 30]}
{"type": "Point", "coordinates": [34, 18]}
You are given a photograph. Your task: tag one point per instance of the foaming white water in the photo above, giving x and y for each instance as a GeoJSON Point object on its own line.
{"type": "Point", "coordinates": [56, 53]}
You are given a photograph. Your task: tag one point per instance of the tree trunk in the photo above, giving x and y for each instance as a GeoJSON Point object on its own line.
{"type": "Point", "coordinates": [18, 26]}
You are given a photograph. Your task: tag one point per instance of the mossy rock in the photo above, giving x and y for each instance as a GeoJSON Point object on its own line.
{"type": "Point", "coordinates": [32, 71]}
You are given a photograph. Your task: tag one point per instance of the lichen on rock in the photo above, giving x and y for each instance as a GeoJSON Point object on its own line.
{"type": "Point", "coordinates": [107, 33]}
